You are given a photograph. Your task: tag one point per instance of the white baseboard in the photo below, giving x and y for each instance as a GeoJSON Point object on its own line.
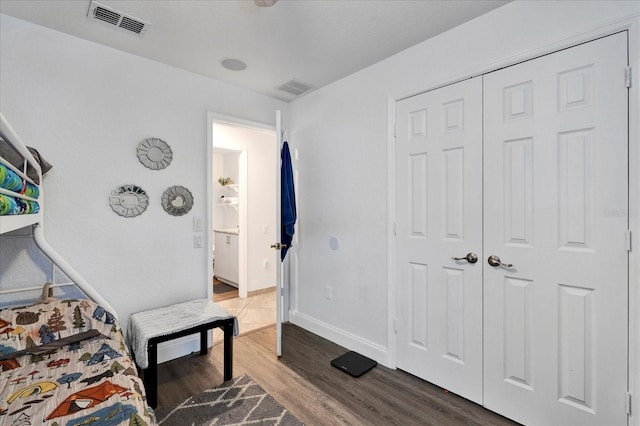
{"type": "Point", "coordinates": [341, 337]}
{"type": "Point", "coordinates": [178, 348]}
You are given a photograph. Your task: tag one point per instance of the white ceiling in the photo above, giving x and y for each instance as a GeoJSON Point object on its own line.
{"type": "Point", "coordinates": [312, 41]}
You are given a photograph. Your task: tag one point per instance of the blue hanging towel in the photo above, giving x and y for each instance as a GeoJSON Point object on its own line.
{"type": "Point", "coordinates": [287, 200]}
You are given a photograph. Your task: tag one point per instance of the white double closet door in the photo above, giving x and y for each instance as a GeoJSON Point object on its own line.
{"type": "Point", "coordinates": [528, 164]}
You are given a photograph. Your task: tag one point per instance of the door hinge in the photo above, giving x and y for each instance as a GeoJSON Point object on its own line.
{"type": "Point", "coordinates": [395, 130]}
{"type": "Point", "coordinates": [395, 325]}
{"type": "Point", "coordinates": [628, 240]}
{"type": "Point", "coordinates": [627, 77]}
{"type": "Point", "coordinates": [627, 403]}
{"type": "Point", "coordinates": [394, 228]}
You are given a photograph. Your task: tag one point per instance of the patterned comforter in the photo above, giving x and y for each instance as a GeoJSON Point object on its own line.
{"type": "Point", "coordinates": [88, 382]}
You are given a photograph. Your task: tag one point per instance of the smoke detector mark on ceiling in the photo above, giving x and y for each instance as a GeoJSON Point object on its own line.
{"type": "Point", "coordinates": [233, 64]}
{"type": "Point", "coordinates": [116, 18]}
{"type": "Point", "coordinates": [265, 3]}
{"type": "Point", "coordinates": [295, 87]}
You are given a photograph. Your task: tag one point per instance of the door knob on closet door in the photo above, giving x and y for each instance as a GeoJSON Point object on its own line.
{"type": "Point", "coordinates": [495, 261]}
{"type": "Point", "coordinates": [470, 257]}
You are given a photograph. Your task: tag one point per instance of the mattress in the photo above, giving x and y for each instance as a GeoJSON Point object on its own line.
{"type": "Point", "coordinates": [66, 363]}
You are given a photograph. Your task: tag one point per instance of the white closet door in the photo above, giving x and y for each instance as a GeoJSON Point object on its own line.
{"type": "Point", "coordinates": [439, 216]}
{"type": "Point", "coordinates": [555, 206]}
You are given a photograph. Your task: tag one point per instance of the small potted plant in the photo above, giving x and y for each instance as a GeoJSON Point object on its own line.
{"type": "Point", "coordinates": [224, 181]}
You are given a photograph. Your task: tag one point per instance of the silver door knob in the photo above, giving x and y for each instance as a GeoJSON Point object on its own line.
{"type": "Point", "coordinates": [470, 257]}
{"type": "Point", "coordinates": [278, 246]}
{"type": "Point", "coordinates": [495, 261]}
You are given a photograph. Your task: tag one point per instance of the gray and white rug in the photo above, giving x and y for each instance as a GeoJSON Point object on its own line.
{"type": "Point", "coordinates": [239, 401]}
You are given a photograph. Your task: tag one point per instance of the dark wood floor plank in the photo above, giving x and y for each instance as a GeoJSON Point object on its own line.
{"type": "Point", "coordinates": [317, 393]}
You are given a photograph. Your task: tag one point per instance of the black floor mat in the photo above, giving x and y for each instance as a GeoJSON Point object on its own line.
{"type": "Point", "coordinates": [220, 287]}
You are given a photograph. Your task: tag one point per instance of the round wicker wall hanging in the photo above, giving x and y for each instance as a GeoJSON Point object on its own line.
{"type": "Point", "coordinates": [177, 200]}
{"type": "Point", "coordinates": [154, 153]}
{"type": "Point", "coordinates": [129, 200]}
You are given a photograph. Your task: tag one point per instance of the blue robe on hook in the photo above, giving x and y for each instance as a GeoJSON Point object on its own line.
{"type": "Point", "coordinates": [287, 200]}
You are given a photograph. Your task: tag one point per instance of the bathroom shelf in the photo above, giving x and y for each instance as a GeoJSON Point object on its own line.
{"type": "Point", "coordinates": [229, 202]}
{"type": "Point", "coordinates": [225, 201]}
{"type": "Point", "coordinates": [233, 186]}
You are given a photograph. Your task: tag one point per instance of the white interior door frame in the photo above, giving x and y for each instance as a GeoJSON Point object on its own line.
{"type": "Point", "coordinates": [632, 26]}
{"type": "Point", "coordinates": [243, 238]}
{"type": "Point", "coordinates": [279, 264]}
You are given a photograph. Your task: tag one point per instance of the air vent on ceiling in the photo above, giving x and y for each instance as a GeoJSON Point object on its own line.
{"type": "Point", "coordinates": [116, 18]}
{"type": "Point", "coordinates": [295, 87]}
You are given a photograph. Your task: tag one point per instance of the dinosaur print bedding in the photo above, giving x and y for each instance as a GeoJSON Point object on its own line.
{"type": "Point", "coordinates": [65, 363]}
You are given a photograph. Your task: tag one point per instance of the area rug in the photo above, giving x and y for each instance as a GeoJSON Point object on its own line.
{"type": "Point", "coordinates": [239, 401]}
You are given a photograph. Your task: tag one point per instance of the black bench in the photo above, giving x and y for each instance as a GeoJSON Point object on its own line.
{"type": "Point", "coordinates": [150, 374]}
{"type": "Point", "coordinates": [149, 328]}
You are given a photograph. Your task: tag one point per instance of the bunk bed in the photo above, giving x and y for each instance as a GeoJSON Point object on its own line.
{"type": "Point", "coordinates": [62, 362]}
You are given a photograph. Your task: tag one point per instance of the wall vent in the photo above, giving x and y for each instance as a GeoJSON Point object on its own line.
{"type": "Point", "coordinates": [116, 18]}
{"type": "Point", "coordinates": [295, 87]}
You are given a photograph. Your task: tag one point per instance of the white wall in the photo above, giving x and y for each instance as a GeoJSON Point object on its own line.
{"type": "Point", "coordinates": [86, 107]}
{"type": "Point", "coordinates": [341, 135]}
{"type": "Point", "coordinates": [261, 209]}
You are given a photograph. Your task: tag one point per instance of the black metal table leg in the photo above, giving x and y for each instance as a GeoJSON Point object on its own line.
{"type": "Point", "coordinates": [151, 376]}
{"type": "Point", "coordinates": [204, 342]}
{"type": "Point", "coordinates": [228, 349]}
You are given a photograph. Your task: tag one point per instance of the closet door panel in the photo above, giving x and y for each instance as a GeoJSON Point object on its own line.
{"type": "Point", "coordinates": [438, 217]}
{"type": "Point", "coordinates": [555, 161]}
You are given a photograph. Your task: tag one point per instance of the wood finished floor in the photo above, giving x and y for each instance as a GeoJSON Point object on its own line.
{"type": "Point", "coordinates": [318, 394]}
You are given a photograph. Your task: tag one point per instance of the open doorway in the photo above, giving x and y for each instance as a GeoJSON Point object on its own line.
{"type": "Point", "coordinates": [243, 220]}
{"type": "Point", "coordinates": [227, 165]}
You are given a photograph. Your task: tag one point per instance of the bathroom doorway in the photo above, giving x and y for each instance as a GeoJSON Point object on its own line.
{"type": "Point", "coordinates": [243, 219]}
{"type": "Point", "coordinates": [227, 166]}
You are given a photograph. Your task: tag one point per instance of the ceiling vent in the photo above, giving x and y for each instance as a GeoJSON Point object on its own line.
{"type": "Point", "coordinates": [295, 87]}
{"type": "Point", "coordinates": [116, 18]}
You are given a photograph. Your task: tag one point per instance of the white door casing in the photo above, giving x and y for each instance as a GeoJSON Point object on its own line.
{"type": "Point", "coordinates": [439, 216]}
{"type": "Point", "coordinates": [554, 200]}
{"type": "Point", "coordinates": [277, 260]}
{"type": "Point", "coordinates": [555, 150]}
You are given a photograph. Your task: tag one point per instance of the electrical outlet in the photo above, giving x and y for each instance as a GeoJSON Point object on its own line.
{"type": "Point", "coordinates": [328, 292]}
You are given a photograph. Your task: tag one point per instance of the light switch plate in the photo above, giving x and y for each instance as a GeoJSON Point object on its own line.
{"type": "Point", "coordinates": [197, 240]}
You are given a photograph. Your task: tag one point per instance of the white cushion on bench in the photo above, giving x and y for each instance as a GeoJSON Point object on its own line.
{"type": "Point", "coordinates": [143, 326]}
